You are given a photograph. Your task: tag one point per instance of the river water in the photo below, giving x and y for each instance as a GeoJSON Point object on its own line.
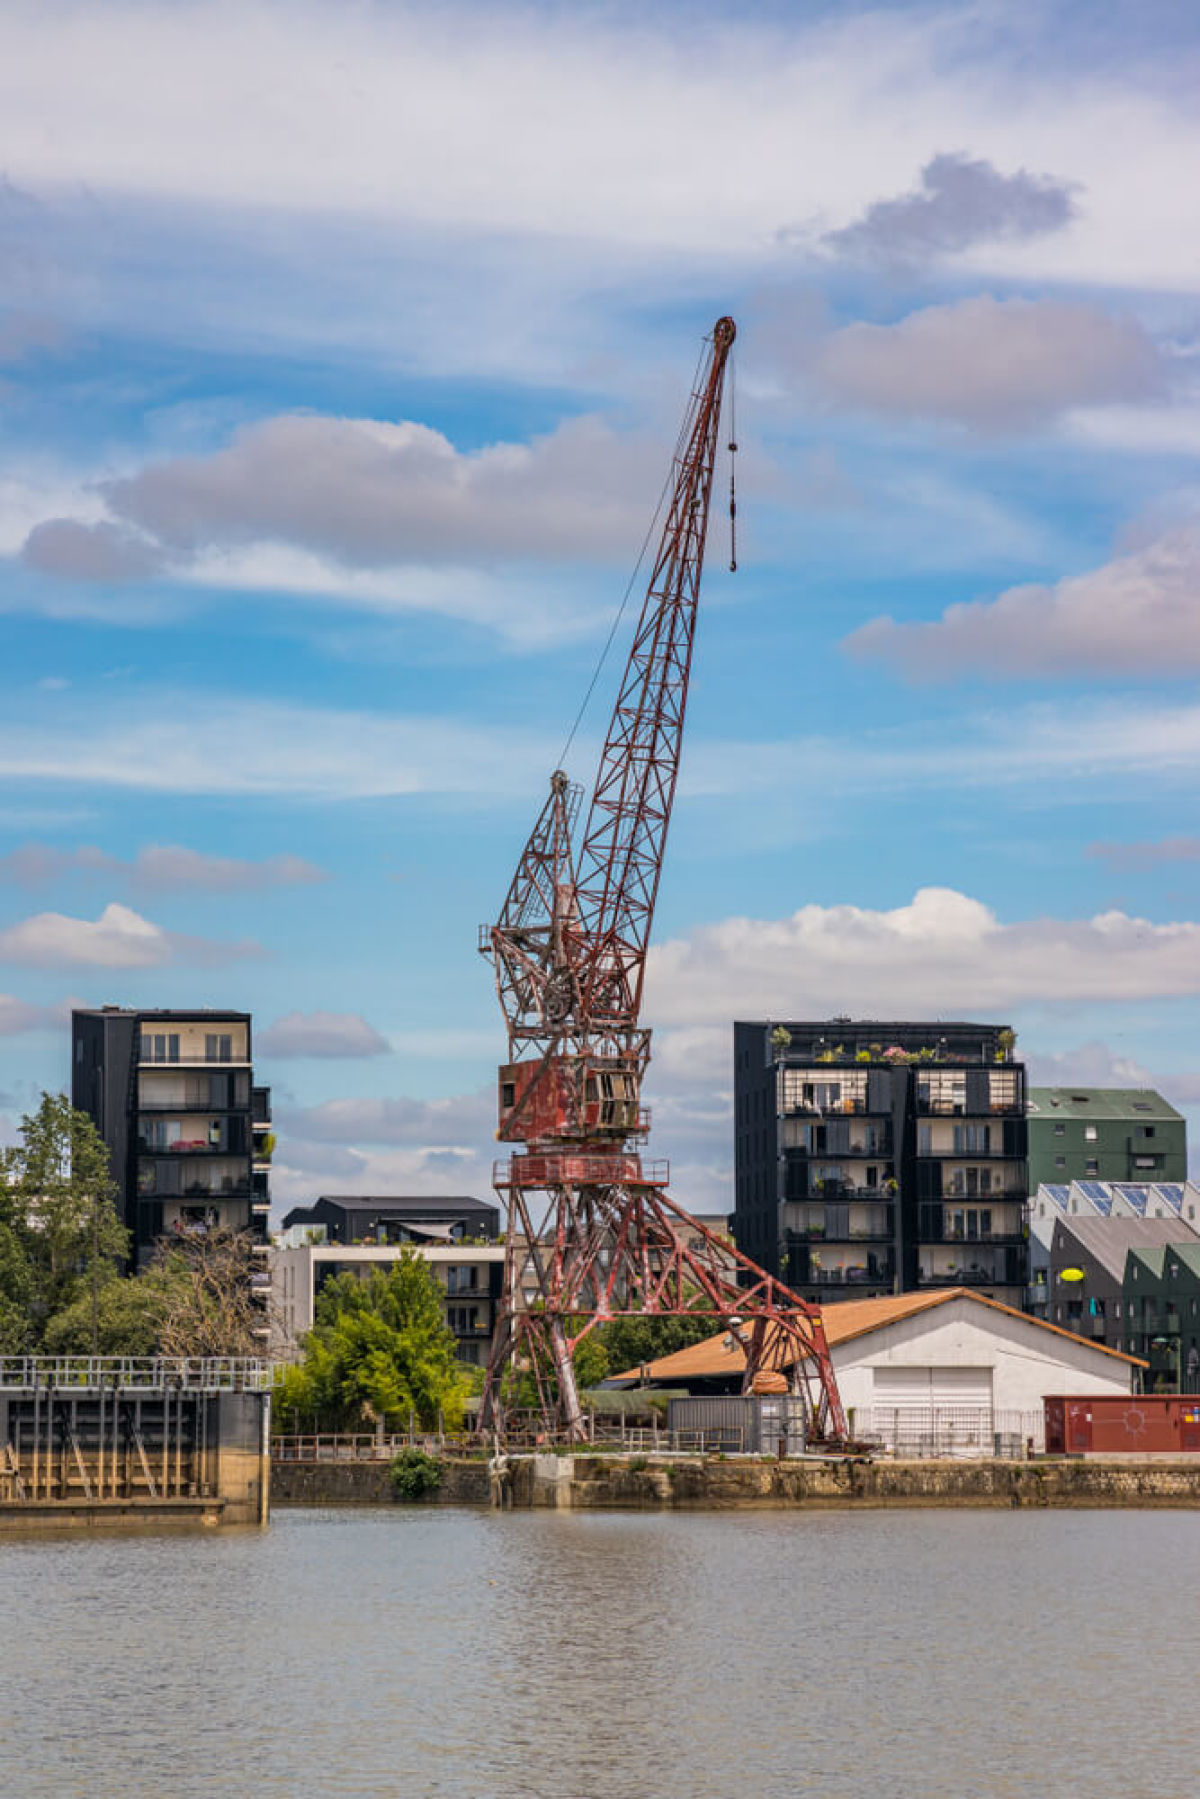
{"type": "Point", "coordinates": [855, 1655]}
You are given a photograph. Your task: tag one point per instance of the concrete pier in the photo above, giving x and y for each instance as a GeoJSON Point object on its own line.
{"type": "Point", "coordinates": [125, 1442]}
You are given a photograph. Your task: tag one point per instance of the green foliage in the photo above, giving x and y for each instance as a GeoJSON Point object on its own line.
{"type": "Point", "coordinates": [60, 1236]}
{"type": "Point", "coordinates": [415, 1474]}
{"type": "Point", "coordinates": [128, 1319]}
{"type": "Point", "coordinates": [593, 1363]}
{"type": "Point", "coordinates": [631, 1341]}
{"type": "Point", "coordinates": [379, 1349]}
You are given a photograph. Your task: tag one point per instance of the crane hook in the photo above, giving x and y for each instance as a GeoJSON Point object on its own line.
{"type": "Point", "coordinates": [732, 510]}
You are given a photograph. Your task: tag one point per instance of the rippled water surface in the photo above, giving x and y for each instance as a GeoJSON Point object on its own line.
{"type": "Point", "coordinates": [870, 1655]}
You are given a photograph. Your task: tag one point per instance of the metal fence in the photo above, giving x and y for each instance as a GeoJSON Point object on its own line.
{"type": "Point", "coordinates": [195, 1374]}
{"type": "Point", "coordinates": [950, 1430]}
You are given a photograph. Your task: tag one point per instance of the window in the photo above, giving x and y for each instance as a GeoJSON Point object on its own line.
{"type": "Point", "coordinates": [1092, 1165]}
{"type": "Point", "coordinates": [1060, 1161]}
{"type": "Point", "coordinates": [1089, 1133]}
{"type": "Point", "coordinates": [1060, 1130]}
{"type": "Point", "coordinates": [218, 1048]}
{"type": "Point", "coordinates": [79, 1050]}
{"type": "Point", "coordinates": [160, 1046]}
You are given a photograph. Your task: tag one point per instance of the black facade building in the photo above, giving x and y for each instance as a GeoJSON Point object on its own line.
{"type": "Point", "coordinates": [188, 1133]}
{"type": "Point", "coordinates": [394, 1218]}
{"type": "Point", "coordinates": [877, 1157]}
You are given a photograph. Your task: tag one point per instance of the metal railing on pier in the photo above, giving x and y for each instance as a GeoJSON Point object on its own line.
{"type": "Point", "coordinates": [194, 1374]}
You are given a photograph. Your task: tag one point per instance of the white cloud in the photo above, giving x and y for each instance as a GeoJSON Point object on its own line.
{"type": "Point", "coordinates": [322, 1034]}
{"type": "Point", "coordinates": [991, 364]}
{"type": "Point", "coordinates": [159, 867]}
{"type": "Point", "coordinates": [366, 494]}
{"type": "Point", "coordinates": [119, 938]}
{"type": "Point", "coordinates": [497, 120]}
{"type": "Point", "coordinates": [189, 742]}
{"type": "Point", "coordinates": [462, 1122]}
{"type": "Point", "coordinates": [941, 955]}
{"type": "Point", "coordinates": [17, 1017]}
{"type": "Point", "coordinates": [1092, 1064]}
{"type": "Point", "coordinates": [177, 742]}
{"type": "Point", "coordinates": [961, 201]}
{"type": "Point", "coordinates": [1136, 615]}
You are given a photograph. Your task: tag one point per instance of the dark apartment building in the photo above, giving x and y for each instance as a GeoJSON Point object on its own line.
{"type": "Point", "coordinates": [877, 1157]}
{"type": "Point", "coordinates": [188, 1132]}
{"type": "Point", "coordinates": [1104, 1134]}
{"type": "Point", "coordinates": [392, 1218]}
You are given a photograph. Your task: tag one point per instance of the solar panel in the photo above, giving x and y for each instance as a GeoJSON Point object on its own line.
{"type": "Point", "coordinates": [1058, 1194]}
{"type": "Point", "coordinates": [1104, 1205]}
{"type": "Point", "coordinates": [1093, 1190]}
{"type": "Point", "coordinates": [1137, 1197]}
{"type": "Point", "coordinates": [1172, 1193]}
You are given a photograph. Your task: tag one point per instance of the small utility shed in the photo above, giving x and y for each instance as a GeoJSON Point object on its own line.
{"type": "Point", "coordinates": [952, 1366]}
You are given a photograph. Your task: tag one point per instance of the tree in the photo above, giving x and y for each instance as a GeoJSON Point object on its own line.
{"type": "Point", "coordinates": [629, 1342]}
{"type": "Point", "coordinates": [127, 1321]}
{"type": "Point", "coordinates": [379, 1349]}
{"type": "Point", "coordinates": [207, 1305]}
{"type": "Point", "coordinates": [62, 1238]}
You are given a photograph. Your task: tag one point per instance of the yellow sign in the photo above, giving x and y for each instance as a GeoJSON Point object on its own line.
{"type": "Point", "coordinates": [1071, 1274]}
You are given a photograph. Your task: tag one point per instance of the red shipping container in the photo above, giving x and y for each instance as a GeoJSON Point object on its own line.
{"type": "Point", "coordinates": [1120, 1424]}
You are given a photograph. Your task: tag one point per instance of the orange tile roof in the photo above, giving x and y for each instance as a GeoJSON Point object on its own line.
{"type": "Point", "coordinates": [848, 1319]}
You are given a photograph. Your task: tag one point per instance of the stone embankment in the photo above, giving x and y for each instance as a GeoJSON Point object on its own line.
{"type": "Point", "coordinates": [652, 1483]}
{"type": "Point", "coordinates": [370, 1483]}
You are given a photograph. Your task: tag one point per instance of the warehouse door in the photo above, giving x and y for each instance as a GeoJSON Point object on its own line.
{"type": "Point", "coordinates": [933, 1411]}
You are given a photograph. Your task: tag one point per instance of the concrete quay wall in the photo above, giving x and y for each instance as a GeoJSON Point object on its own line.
{"type": "Point", "coordinates": [651, 1483]}
{"type": "Point", "coordinates": [369, 1483]}
{"type": "Point", "coordinates": [584, 1482]}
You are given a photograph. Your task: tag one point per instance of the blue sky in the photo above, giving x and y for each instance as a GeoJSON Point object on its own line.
{"type": "Point", "coordinates": [341, 351]}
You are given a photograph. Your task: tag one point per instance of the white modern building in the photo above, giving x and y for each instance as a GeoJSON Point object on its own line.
{"type": "Point", "coordinates": [470, 1276]}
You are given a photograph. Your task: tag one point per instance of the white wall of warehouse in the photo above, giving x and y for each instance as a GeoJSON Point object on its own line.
{"type": "Point", "coordinates": [1026, 1360]}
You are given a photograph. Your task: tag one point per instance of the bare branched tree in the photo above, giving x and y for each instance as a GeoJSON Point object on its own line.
{"type": "Point", "coordinates": [210, 1307]}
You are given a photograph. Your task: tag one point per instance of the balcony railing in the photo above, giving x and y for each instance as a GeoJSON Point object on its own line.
{"type": "Point", "coordinates": [844, 1277]}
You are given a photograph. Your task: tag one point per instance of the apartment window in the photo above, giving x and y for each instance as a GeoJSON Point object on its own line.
{"type": "Point", "coordinates": [160, 1046]}
{"type": "Point", "coordinates": [1089, 1133]}
{"type": "Point", "coordinates": [1060, 1161]}
{"type": "Point", "coordinates": [1092, 1166]}
{"type": "Point", "coordinates": [217, 1047]}
{"type": "Point", "coordinates": [972, 1139]}
{"type": "Point", "coordinates": [1060, 1130]}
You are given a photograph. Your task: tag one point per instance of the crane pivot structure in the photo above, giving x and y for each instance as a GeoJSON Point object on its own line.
{"type": "Point", "coordinates": [592, 1233]}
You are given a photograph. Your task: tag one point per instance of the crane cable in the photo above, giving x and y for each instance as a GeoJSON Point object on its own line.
{"type": "Point", "coordinates": [641, 557]}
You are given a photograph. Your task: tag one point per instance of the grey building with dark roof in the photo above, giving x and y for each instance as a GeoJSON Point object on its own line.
{"type": "Point", "coordinates": [1086, 1284]}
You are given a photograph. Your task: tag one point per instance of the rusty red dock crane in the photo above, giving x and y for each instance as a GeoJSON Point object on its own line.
{"type": "Point", "coordinates": [592, 1233]}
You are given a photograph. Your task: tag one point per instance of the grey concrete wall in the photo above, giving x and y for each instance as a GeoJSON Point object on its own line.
{"type": "Point", "coordinates": [369, 1483]}
{"type": "Point", "coordinates": [656, 1482]}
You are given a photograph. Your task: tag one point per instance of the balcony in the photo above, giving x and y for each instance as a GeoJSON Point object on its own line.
{"type": "Point", "coordinates": [845, 1277]}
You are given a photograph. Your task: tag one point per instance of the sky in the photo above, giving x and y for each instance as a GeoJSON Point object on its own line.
{"type": "Point", "coordinates": [342, 350]}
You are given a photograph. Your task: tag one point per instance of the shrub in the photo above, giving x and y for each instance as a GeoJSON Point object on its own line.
{"type": "Point", "coordinates": [415, 1475]}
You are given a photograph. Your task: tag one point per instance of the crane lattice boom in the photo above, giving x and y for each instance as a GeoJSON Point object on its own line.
{"type": "Point", "coordinates": [592, 1234]}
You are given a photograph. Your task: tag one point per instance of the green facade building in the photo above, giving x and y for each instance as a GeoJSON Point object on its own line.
{"type": "Point", "coordinates": [1161, 1299]}
{"type": "Point", "coordinates": [1104, 1134]}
